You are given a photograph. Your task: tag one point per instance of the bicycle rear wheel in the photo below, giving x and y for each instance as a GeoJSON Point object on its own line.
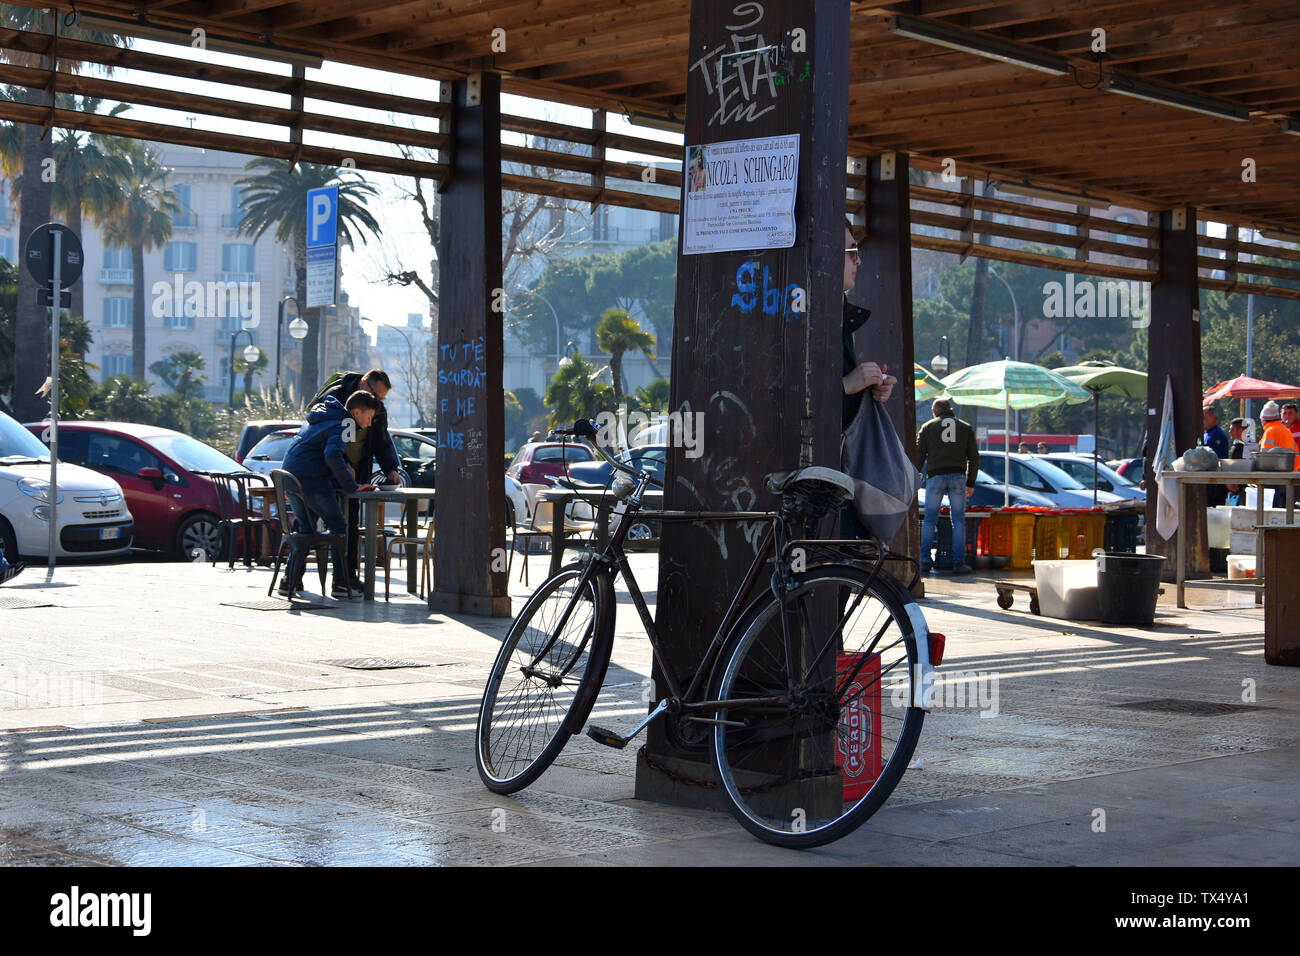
{"type": "Point", "coordinates": [816, 733]}
{"type": "Point", "coordinates": [545, 679]}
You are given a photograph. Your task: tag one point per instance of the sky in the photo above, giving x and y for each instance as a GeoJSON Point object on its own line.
{"type": "Point", "coordinates": [404, 244]}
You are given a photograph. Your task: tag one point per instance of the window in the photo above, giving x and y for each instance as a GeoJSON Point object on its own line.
{"type": "Point", "coordinates": [181, 257]}
{"type": "Point", "coordinates": [1024, 476]}
{"type": "Point", "coordinates": [117, 312]}
{"type": "Point", "coordinates": [238, 257]}
{"type": "Point", "coordinates": [116, 365]}
{"type": "Point", "coordinates": [185, 219]}
{"type": "Point", "coordinates": [236, 215]}
{"type": "Point", "coordinates": [117, 257]}
{"type": "Point", "coordinates": [600, 229]}
{"type": "Point", "coordinates": [182, 318]}
{"type": "Point", "coordinates": [667, 226]}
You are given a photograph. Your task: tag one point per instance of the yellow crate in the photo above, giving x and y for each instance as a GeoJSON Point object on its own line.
{"type": "Point", "coordinates": [1012, 536]}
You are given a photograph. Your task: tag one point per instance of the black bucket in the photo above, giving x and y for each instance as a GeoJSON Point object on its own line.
{"type": "Point", "coordinates": [1128, 586]}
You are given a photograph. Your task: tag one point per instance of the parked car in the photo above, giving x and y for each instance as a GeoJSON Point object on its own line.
{"type": "Point", "coordinates": [254, 432]}
{"type": "Point", "coordinates": [175, 506]}
{"type": "Point", "coordinates": [518, 514]}
{"type": "Point", "coordinates": [1038, 475]}
{"type": "Point", "coordinates": [1079, 467]}
{"type": "Point", "coordinates": [268, 454]}
{"type": "Point", "coordinates": [91, 514]}
{"type": "Point", "coordinates": [1130, 469]}
{"type": "Point", "coordinates": [989, 494]}
{"type": "Point", "coordinates": [418, 453]}
{"type": "Point", "coordinates": [536, 463]}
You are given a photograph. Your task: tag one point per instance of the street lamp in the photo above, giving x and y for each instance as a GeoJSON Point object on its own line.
{"type": "Point", "coordinates": [556, 316]}
{"type": "Point", "coordinates": [251, 352]}
{"type": "Point", "coordinates": [297, 331]}
{"type": "Point", "coordinates": [939, 364]}
{"type": "Point", "coordinates": [1015, 345]}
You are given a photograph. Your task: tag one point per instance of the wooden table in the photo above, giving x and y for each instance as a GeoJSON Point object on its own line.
{"type": "Point", "coordinates": [1257, 478]}
{"type": "Point", "coordinates": [604, 500]}
{"type": "Point", "coordinates": [410, 499]}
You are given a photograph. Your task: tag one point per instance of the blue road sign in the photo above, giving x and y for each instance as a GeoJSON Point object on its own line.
{"type": "Point", "coordinates": [322, 244]}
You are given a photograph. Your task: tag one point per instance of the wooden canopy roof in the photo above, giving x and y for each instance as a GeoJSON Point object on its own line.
{"type": "Point", "coordinates": [992, 118]}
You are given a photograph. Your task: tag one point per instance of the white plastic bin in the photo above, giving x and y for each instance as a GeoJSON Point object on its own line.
{"type": "Point", "coordinates": [1067, 589]}
{"type": "Point", "coordinates": [1241, 566]}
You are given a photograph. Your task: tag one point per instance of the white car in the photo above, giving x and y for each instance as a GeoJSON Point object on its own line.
{"type": "Point", "coordinates": [93, 519]}
{"type": "Point", "coordinates": [1079, 467]}
{"type": "Point", "coordinates": [1037, 474]}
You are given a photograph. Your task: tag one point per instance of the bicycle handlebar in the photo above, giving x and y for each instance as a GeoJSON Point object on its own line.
{"type": "Point", "coordinates": [586, 428]}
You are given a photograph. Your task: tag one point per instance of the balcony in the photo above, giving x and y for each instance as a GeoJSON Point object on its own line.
{"type": "Point", "coordinates": [115, 276]}
{"type": "Point", "coordinates": [231, 221]}
{"type": "Point", "coordinates": [187, 220]}
{"type": "Point", "coordinates": [238, 276]}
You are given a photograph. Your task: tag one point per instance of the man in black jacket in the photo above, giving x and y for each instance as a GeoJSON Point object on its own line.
{"type": "Point", "coordinates": [947, 452]}
{"type": "Point", "coordinates": [369, 444]}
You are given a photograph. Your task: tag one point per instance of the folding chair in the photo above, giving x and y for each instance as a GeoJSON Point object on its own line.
{"type": "Point", "coordinates": [425, 546]}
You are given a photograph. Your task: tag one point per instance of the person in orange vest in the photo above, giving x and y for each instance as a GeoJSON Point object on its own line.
{"type": "Point", "coordinates": [1276, 437]}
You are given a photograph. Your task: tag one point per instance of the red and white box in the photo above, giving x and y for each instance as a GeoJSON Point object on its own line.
{"type": "Point", "coordinates": [857, 746]}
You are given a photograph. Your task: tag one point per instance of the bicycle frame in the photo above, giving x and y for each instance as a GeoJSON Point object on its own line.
{"type": "Point", "coordinates": [614, 559]}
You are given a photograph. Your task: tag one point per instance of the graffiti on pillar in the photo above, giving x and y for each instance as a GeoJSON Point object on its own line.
{"type": "Point", "coordinates": [741, 75]}
{"type": "Point", "coordinates": [462, 386]}
{"type": "Point", "coordinates": [752, 296]}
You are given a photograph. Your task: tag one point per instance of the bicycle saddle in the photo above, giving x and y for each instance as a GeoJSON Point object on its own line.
{"type": "Point", "coordinates": [813, 478]}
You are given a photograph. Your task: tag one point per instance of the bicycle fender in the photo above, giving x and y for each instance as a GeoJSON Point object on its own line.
{"type": "Point", "coordinates": [923, 679]}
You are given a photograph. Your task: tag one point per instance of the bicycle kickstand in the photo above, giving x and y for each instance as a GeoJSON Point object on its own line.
{"type": "Point", "coordinates": [611, 739]}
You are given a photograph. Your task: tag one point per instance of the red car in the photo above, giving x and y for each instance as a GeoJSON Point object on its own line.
{"type": "Point", "coordinates": [175, 509]}
{"type": "Point", "coordinates": [538, 462]}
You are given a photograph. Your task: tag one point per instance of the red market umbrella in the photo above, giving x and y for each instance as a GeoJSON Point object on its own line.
{"type": "Point", "coordinates": [1245, 387]}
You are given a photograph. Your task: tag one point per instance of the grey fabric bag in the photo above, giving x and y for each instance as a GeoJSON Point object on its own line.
{"type": "Point", "coordinates": [885, 481]}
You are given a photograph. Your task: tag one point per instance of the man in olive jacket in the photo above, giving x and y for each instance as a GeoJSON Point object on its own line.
{"type": "Point", "coordinates": [947, 453]}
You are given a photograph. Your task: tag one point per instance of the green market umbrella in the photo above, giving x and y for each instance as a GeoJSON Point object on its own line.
{"type": "Point", "coordinates": [1009, 385]}
{"type": "Point", "coordinates": [927, 384]}
{"type": "Point", "coordinates": [1098, 377]}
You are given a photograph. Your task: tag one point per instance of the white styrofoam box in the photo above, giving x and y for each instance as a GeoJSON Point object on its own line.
{"type": "Point", "coordinates": [1241, 566]}
{"type": "Point", "coordinates": [1243, 519]}
{"type": "Point", "coordinates": [1067, 589]}
{"type": "Point", "coordinates": [1218, 525]}
{"type": "Point", "coordinates": [1242, 542]}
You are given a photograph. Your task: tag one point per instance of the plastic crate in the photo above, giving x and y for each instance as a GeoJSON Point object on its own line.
{"type": "Point", "coordinates": [1121, 535]}
{"type": "Point", "coordinates": [1011, 535]}
{"type": "Point", "coordinates": [1048, 538]}
{"type": "Point", "coordinates": [943, 558]}
{"type": "Point", "coordinates": [974, 525]}
{"type": "Point", "coordinates": [1083, 532]}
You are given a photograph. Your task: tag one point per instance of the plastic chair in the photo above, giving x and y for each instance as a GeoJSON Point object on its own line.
{"type": "Point", "coordinates": [234, 499]}
{"type": "Point", "coordinates": [298, 542]}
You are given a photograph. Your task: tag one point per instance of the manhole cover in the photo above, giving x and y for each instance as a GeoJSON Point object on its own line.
{"type": "Point", "coordinates": [1175, 705]}
{"type": "Point", "coordinates": [372, 664]}
{"type": "Point", "coordinates": [15, 603]}
{"type": "Point", "coordinates": [276, 604]}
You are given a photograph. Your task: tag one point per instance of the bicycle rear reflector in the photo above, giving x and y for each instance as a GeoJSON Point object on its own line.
{"type": "Point", "coordinates": [936, 649]}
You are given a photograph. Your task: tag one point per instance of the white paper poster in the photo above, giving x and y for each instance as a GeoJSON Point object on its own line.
{"type": "Point", "coordinates": [740, 195]}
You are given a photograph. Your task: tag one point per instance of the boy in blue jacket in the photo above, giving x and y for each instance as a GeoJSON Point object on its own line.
{"type": "Point", "coordinates": [318, 459]}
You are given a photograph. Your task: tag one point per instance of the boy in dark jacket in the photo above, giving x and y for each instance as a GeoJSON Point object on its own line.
{"type": "Point", "coordinates": [318, 459]}
{"type": "Point", "coordinates": [367, 445]}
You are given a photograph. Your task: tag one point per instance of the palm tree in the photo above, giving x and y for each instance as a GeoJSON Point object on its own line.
{"type": "Point", "coordinates": [33, 191]}
{"type": "Point", "coordinates": [182, 372]}
{"type": "Point", "coordinates": [618, 333]}
{"type": "Point", "coordinates": [88, 168]}
{"type": "Point", "coordinates": [248, 369]}
{"type": "Point", "coordinates": [142, 221]}
{"type": "Point", "coordinates": [276, 197]}
{"type": "Point", "coordinates": [574, 392]}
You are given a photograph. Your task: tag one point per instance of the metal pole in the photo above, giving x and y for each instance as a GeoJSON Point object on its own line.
{"type": "Point", "coordinates": [1250, 344]}
{"type": "Point", "coordinates": [230, 396]}
{"type": "Point", "coordinates": [56, 303]}
{"type": "Point", "coordinates": [279, 334]}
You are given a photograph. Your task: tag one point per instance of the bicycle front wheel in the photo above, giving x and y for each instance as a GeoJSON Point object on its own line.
{"type": "Point", "coordinates": [545, 679]}
{"type": "Point", "coordinates": [816, 724]}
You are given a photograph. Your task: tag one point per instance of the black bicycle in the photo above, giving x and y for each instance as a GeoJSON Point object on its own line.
{"type": "Point", "coordinates": [810, 698]}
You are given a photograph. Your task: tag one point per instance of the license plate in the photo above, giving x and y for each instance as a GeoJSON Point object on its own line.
{"type": "Point", "coordinates": [108, 534]}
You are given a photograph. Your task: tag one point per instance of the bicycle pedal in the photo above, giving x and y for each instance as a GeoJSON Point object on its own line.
{"type": "Point", "coordinates": [607, 737]}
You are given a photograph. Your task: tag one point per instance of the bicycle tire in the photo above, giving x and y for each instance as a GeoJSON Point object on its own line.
{"type": "Point", "coordinates": [524, 722]}
{"type": "Point", "coordinates": [780, 773]}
